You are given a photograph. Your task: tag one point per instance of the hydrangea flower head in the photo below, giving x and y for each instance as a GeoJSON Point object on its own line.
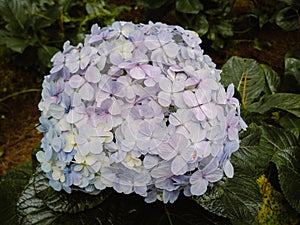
{"type": "Point", "coordinates": [137, 108]}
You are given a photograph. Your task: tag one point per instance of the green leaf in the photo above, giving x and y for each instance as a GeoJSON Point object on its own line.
{"type": "Point", "coordinates": [45, 53]}
{"type": "Point", "coordinates": [287, 163]}
{"type": "Point", "coordinates": [189, 6]}
{"type": "Point", "coordinates": [291, 123]}
{"type": "Point", "coordinates": [217, 8]}
{"type": "Point", "coordinates": [247, 76]}
{"type": "Point", "coordinates": [251, 158]}
{"type": "Point", "coordinates": [4, 34]}
{"type": "Point", "coordinates": [15, 44]}
{"type": "Point", "coordinates": [152, 4]}
{"type": "Point", "coordinates": [15, 13]}
{"type": "Point", "coordinates": [237, 198]}
{"type": "Point", "coordinates": [201, 25]}
{"type": "Point", "coordinates": [284, 101]}
{"type": "Point", "coordinates": [292, 71]}
{"type": "Point", "coordinates": [224, 28]}
{"type": "Point", "coordinates": [47, 17]}
{"type": "Point", "coordinates": [11, 187]}
{"type": "Point", "coordinates": [39, 203]}
{"type": "Point", "coordinates": [272, 79]}
{"type": "Point", "coordinates": [276, 139]}
{"type": "Point", "coordinates": [288, 19]}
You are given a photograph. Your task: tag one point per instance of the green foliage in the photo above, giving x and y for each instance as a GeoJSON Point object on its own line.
{"type": "Point", "coordinates": [283, 13]}
{"type": "Point", "coordinates": [11, 187]}
{"type": "Point", "coordinates": [37, 29]}
{"type": "Point", "coordinates": [274, 138]}
{"type": "Point", "coordinates": [288, 17]}
{"type": "Point", "coordinates": [291, 123]}
{"type": "Point", "coordinates": [287, 162]}
{"type": "Point", "coordinates": [251, 79]}
{"type": "Point", "coordinates": [207, 18]}
{"type": "Point", "coordinates": [237, 199]}
{"type": "Point", "coordinates": [292, 71]}
{"type": "Point", "coordinates": [40, 204]}
{"type": "Point", "coordinates": [289, 102]}
{"type": "Point", "coordinates": [253, 157]}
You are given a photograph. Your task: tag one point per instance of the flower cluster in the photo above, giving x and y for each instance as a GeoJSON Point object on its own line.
{"type": "Point", "coordinates": [139, 108]}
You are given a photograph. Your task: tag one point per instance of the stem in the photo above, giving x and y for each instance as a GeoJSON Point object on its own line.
{"type": "Point", "coordinates": [244, 89]}
{"type": "Point", "coordinates": [168, 215]}
{"type": "Point", "coordinates": [18, 93]}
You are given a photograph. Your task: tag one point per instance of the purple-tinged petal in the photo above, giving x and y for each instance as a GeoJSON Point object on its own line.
{"type": "Point", "coordinates": [74, 117]}
{"type": "Point", "coordinates": [86, 92]}
{"type": "Point", "coordinates": [137, 73]}
{"type": "Point", "coordinates": [198, 113]}
{"type": "Point", "coordinates": [199, 188]}
{"type": "Point", "coordinates": [76, 81]}
{"type": "Point", "coordinates": [179, 166]}
{"type": "Point", "coordinates": [171, 49]}
{"type": "Point", "coordinates": [190, 98]}
{"type": "Point", "coordinates": [228, 169]}
{"type": "Point", "coordinates": [209, 110]}
{"type": "Point", "coordinates": [214, 176]}
{"type": "Point", "coordinates": [164, 99]}
{"type": "Point", "coordinates": [166, 152]}
{"type": "Point", "coordinates": [93, 74]}
{"type": "Point", "coordinates": [150, 161]}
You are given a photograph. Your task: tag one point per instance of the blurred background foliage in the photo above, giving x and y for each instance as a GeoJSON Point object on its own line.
{"type": "Point", "coordinates": [35, 29]}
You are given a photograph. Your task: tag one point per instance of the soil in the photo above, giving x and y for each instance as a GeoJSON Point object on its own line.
{"type": "Point", "coordinates": [19, 114]}
{"type": "Point", "coordinates": [18, 117]}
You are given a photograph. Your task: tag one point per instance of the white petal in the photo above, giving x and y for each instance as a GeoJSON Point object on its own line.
{"type": "Point", "coordinates": [164, 99]}
{"type": "Point", "coordinates": [228, 169]}
{"type": "Point", "coordinates": [190, 98]}
{"type": "Point", "coordinates": [86, 92]}
{"type": "Point", "coordinates": [76, 81]}
{"type": "Point", "coordinates": [92, 74]}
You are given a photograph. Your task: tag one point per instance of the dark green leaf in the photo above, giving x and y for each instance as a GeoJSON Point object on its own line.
{"type": "Point", "coordinates": [46, 18]}
{"type": "Point", "coordinates": [251, 158]}
{"type": "Point", "coordinates": [287, 162]}
{"type": "Point", "coordinates": [15, 44]}
{"type": "Point", "coordinates": [247, 76]}
{"type": "Point", "coordinates": [15, 13]}
{"type": "Point", "coordinates": [276, 139]}
{"type": "Point", "coordinates": [292, 71]}
{"type": "Point", "coordinates": [189, 6]}
{"type": "Point", "coordinates": [201, 24]}
{"type": "Point", "coordinates": [224, 28]}
{"type": "Point", "coordinates": [4, 34]}
{"type": "Point", "coordinates": [45, 53]}
{"type": "Point", "coordinates": [32, 210]}
{"type": "Point", "coordinates": [218, 9]}
{"type": "Point", "coordinates": [290, 123]}
{"type": "Point", "coordinates": [272, 79]}
{"type": "Point", "coordinates": [288, 19]}
{"type": "Point", "coordinates": [284, 101]}
{"type": "Point", "coordinates": [152, 4]}
{"type": "Point", "coordinates": [11, 187]}
{"type": "Point", "coordinates": [237, 198]}
{"type": "Point", "coordinates": [40, 203]}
